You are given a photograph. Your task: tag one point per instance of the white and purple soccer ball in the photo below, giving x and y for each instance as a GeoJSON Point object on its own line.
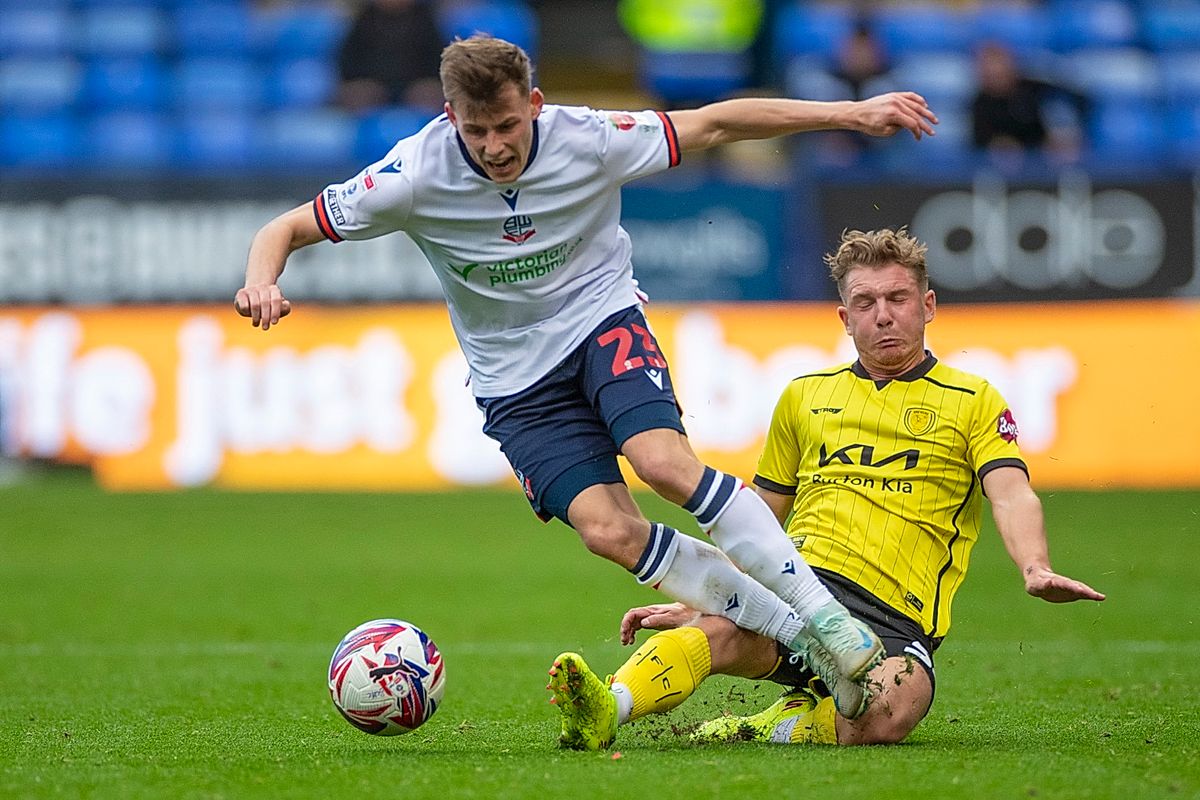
{"type": "Point", "coordinates": [386, 677]}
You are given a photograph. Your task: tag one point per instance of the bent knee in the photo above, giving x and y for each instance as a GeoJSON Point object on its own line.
{"type": "Point", "coordinates": [664, 473]}
{"type": "Point", "coordinates": [888, 729]}
{"type": "Point", "coordinates": [620, 538]}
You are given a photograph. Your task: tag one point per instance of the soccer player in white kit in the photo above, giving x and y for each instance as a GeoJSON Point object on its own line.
{"type": "Point", "coordinates": [516, 205]}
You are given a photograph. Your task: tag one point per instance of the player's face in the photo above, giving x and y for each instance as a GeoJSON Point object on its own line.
{"type": "Point", "coordinates": [886, 312]}
{"type": "Point", "coordinates": [499, 136]}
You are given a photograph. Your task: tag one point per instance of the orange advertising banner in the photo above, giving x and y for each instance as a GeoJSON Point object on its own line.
{"type": "Point", "coordinates": [375, 397]}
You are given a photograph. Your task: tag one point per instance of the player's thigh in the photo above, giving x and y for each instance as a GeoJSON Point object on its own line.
{"type": "Point", "coordinates": [555, 441]}
{"type": "Point", "coordinates": [625, 377]}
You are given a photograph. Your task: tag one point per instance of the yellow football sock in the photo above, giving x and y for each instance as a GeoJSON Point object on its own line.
{"type": "Point", "coordinates": [818, 726]}
{"type": "Point", "coordinates": [665, 670]}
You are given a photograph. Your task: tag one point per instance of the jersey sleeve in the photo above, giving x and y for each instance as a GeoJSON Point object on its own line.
{"type": "Point", "coordinates": [780, 460]}
{"type": "Point", "coordinates": [374, 202]}
{"type": "Point", "coordinates": [993, 436]}
{"type": "Point", "coordinates": [634, 144]}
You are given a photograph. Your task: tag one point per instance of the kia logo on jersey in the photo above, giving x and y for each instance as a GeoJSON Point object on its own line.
{"type": "Point", "coordinates": [518, 228]}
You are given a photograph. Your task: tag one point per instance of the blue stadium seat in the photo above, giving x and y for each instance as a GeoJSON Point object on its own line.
{"type": "Point", "coordinates": [308, 138]}
{"type": "Point", "coordinates": [306, 30]}
{"type": "Point", "coordinates": [129, 140]}
{"type": "Point", "coordinates": [1181, 75]}
{"type": "Point", "coordinates": [1172, 26]}
{"type": "Point", "coordinates": [36, 32]}
{"type": "Point", "coordinates": [217, 84]}
{"type": "Point", "coordinates": [125, 84]}
{"type": "Point", "coordinates": [1093, 23]}
{"type": "Point", "coordinates": [806, 78]}
{"type": "Point", "coordinates": [113, 31]}
{"type": "Point", "coordinates": [506, 19]}
{"type": "Point", "coordinates": [43, 84]}
{"type": "Point", "coordinates": [909, 28]}
{"type": "Point", "coordinates": [305, 83]}
{"type": "Point", "coordinates": [1183, 132]}
{"type": "Point", "coordinates": [1129, 129]}
{"type": "Point", "coordinates": [810, 29]}
{"type": "Point", "coordinates": [120, 3]}
{"type": "Point", "coordinates": [379, 131]}
{"type": "Point", "coordinates": [694, 77]}
{"type": "Point", "coordinates": [214, 29]}
{"type": "Point", "coordinates": [217, 139]}
{"type": "Point", "coordinates": [1120, 74]}
{"type": "Point", "coordinates": [950, 149]}
{"type": "Point", "coordinates": [38, 140]}
{"type": "Point", "coordinates": [1023, 28]}
{"type": "Point", "coordinates": [945, 78]}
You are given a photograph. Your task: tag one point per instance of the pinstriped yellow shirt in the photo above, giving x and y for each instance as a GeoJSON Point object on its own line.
{"type": "Point", "coordinates": [887, 476]}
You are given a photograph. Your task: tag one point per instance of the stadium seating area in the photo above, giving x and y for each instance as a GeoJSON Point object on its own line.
{"type": "Point", "coordinates": [195, 85]}
{"type": "Point", "coordinates": [202, 85]}
{"type": "Point", "coordinates": [1138, 63]}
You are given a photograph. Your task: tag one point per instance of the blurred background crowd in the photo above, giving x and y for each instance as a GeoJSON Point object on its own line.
{"type": "Point", "coordinates": [143, 141]}
{"type": "Point", "coordinates": [193, 85]}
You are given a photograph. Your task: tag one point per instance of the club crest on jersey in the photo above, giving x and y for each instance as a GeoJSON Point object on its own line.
{"type": "Point", "coordinates": [518, 229]}
{"type": "Point", "coordinates": [1006, 426]}
{"type": "Point", "coordinates": [919, 421]}
{"type": "Point", "coordinates": [622, 122]}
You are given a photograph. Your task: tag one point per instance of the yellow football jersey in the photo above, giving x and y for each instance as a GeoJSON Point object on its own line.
{"type": "Point", "coordinates": [887, 476]}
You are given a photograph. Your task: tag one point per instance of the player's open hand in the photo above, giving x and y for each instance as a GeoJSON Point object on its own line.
{"type": "Point", "coordinates": [658, 617]}
{"type": "Point", "coordinates": [1055, 588]}
{"type": "Point", "coordinates": [264, 305]}
{"type": "Point", "coordinates": [886, 114]}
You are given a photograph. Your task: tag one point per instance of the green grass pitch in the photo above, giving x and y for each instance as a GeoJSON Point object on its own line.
{"type": "Point", "coordinates": [175, 645]}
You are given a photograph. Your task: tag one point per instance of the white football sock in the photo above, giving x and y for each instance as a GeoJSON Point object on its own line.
{"type": "Point", "coordinates": [744, 527]}
{"type": "Point", "coordinates": [699, 575]}
{"type": "Point", "coordinates": [624, 699]}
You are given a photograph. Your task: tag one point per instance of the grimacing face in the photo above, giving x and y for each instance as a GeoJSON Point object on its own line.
{"type": "Point", "coordinates": [885, 312]}
{"type": "Point", "coordinates": [499, 136]}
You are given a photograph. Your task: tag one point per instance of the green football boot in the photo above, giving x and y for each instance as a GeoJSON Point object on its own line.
{"type": "Point", "coordinates": [588, 708]}
{"type": "Point", "coordinates": [773, 724]}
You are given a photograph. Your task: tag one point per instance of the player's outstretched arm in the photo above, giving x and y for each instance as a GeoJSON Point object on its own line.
{"type": "Point", "coordinates": [763, 118]}
{"type": "Point", "coordinates": [260, 299]}
{"type": "Point", "coordinates": [1018, 514]}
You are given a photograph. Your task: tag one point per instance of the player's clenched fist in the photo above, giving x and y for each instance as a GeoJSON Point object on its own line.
{"type": "Point", "coordinates": [263, 304]}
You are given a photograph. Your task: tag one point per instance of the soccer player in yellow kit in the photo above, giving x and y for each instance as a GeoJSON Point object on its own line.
{"type": "Point", "coordinates": [878, 470]}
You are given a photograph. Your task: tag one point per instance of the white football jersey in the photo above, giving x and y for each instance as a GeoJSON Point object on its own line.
{"type": "Point", "coordinates": [528, 268]}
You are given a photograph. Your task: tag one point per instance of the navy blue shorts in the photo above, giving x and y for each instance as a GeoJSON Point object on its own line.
{"type": "Point", "coordinates": [562, 434]}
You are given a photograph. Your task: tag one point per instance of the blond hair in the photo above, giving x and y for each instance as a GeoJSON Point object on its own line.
{"type": "Point", "coordinates": [475, 71]}
{"type": "Point", "coordinates": [874, 249]}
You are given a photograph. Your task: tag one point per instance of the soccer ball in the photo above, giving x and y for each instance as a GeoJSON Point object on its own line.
{"type": "Point", "coordinates": [386, 677]}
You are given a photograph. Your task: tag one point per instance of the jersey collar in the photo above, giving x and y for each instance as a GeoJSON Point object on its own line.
{"type": "Point", "coordinates": [478, 170]}
{"type": "Point", "coordinates": [916, 373]}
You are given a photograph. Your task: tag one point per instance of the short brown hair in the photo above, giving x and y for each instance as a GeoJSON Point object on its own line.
{"type": "Point", "coordinates": [877, 248]}
{"type": "Point", "coordinates": [475, 71]}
